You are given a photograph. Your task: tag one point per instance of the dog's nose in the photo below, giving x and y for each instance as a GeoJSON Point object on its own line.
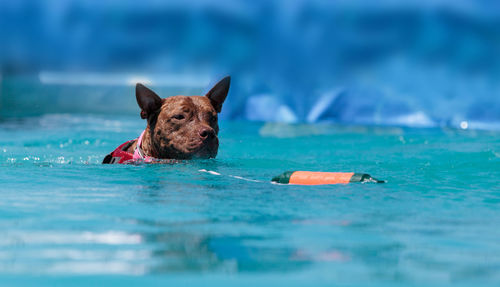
{"type": "Point", "coordinates": [206, 133]}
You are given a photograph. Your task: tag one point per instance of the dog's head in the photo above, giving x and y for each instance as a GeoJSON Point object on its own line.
{"type": "Point", "coordinates": [182, 127]}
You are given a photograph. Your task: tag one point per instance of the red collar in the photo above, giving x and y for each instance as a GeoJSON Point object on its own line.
{"type": "Point", "coordinates": [122, 156]}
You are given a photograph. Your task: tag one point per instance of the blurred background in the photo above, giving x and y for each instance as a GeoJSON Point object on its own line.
{"type": "Point", "coordinates": [401, 63]}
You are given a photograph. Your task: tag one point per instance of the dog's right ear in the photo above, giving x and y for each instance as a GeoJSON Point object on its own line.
{"type": "Point", "coordinates": [148, 100]}
{"type": "Point", "coordinates": [218, 93]}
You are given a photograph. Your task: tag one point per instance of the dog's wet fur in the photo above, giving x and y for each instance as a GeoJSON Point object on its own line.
{"type": "Point", "coordinates": [181, 127]}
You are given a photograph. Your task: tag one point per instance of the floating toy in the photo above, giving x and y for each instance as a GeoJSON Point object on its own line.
{"type": "Point", "coordinates": [317, 178]}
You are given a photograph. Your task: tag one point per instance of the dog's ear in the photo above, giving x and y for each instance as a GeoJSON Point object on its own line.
{"type": "Point", "coordinates": [148, 100]}
{"type": "Point", "coordinates": [218, 93]}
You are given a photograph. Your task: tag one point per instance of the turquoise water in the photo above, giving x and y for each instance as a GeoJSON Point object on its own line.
{"type": "Point", "coordinates": [66, 219]}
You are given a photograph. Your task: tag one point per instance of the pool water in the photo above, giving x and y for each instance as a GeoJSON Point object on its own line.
{"type": "Point", "coordinates": [67, 219]}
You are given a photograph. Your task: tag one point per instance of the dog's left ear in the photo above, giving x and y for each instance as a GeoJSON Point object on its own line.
{"type": "Point", "coordinates": [148, 100]}
{"type": "Point", "coordinates": [218, 93]}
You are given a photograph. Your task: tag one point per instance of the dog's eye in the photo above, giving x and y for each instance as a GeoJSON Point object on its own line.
{"type": "Point", "coordinates": [179, 117]}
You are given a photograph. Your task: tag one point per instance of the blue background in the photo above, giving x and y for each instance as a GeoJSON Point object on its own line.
{"type": "Point", "coordinates": [404, 63]}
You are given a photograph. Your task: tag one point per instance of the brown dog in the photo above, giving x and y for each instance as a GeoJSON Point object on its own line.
{"type": "Point", "coordinates": [178, 127]}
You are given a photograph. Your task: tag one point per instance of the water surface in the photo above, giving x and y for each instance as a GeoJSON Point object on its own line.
{"type": "Point", "coordinates": [67, 219]}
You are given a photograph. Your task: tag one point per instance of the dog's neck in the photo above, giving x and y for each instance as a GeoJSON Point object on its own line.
{"type": "Point", "coordinates": [147, 145]}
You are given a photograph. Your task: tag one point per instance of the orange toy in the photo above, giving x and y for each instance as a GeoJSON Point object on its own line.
{"type": "Point", "coordinates": [317, 178]}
